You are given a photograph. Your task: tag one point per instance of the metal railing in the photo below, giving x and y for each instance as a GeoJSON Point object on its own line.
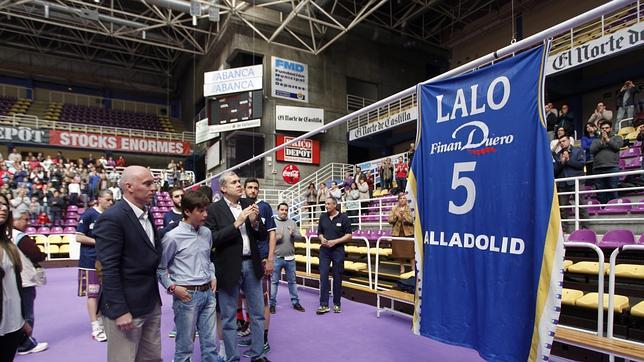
{"type": "Point", "coordinates": [378, 217]}
{"type": "Point", "coordinates": [29, 121]}
{"type": "Point", "coordinates": [356, 102]}
{"type": "Point", "coordinates": [395, 107]}
{"type": "Point", "coordinates": [578, 193]}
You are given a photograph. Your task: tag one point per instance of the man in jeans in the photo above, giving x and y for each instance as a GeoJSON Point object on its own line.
{"type": "Point", "coordinates": [286, 233]}
{"type": "Point", "coordinates": [188, 274]}
{"type": "Point", "coordinates": [334, 230]}
{"type": "Point", "coordinates": [605, 152]}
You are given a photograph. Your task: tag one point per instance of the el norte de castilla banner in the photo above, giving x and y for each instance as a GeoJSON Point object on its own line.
{"type": "Point", "coordinates": [487, 232]}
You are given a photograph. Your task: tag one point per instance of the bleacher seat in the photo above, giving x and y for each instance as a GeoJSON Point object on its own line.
{"type": "Point", "coordinates": [30, 230]}
{"type": "Point", "coordinates": [64, 249]}
{"type": "Point", "coordinates": [616, 206]}
{"type": "Point", "coordinates": [56, 230]}
{"type": "Point", "coordinates": [634, 271]}
{"type": "Point", "coordinates": [43, 230]}
{"type": "Point", "coordinates": [69, 230]}
{"type": "Point", "coordinates": [631, 163]}
{"type": "Point", "coordinates": [589, 300]}
{"type": "Point", "coordinates": [638, 310]}
{"type": "Point", "coordinates": [55, 239]}
{"type": "Point", "coordinates": [354, 266]}
{"type": "Point", "coordinates": [616, 238]}
{"type": "Point", "coordinates": [584, 236]}
{"type": "Point", "coordinates": [570, 296]}
{"type": "Point", "coordinates": [566, 264]}
{"type": "Point", "coordinates": [68, 239]}
{"type": "Point", "coordinates": [52, 249]}
{"type": "Point", "coordinates": [630, 152]}
{"type": "Point", "coordinates": [587, 267]}
{"type": "Point", "coordinates": [41, 239]}
{"type": "Point", "coordinates": [593, 209]}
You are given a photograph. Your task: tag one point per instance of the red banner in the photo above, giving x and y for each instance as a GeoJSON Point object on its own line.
{"type": "Point", "coordinates": [117, 143]}
{"type": "Point", "coordinates": [304, 151]}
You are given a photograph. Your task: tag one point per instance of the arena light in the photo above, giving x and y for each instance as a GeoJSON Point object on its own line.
{"type": "Point", "coordinates": [46, 11]}
{"type": "Point", "coordinates": [143, 34]}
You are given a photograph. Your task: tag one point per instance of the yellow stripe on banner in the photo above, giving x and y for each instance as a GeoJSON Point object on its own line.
{"type": "Point", "coordinates": [552, 238]}
{"type": "Point", "coordinates": [418, 249]}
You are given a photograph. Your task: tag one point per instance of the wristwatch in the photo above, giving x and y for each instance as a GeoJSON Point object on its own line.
{"type": "Point", "coordinates": [171, 289]}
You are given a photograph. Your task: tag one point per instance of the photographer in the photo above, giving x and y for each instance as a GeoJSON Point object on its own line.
{"type": "Point", "coordinates": [626, 101]}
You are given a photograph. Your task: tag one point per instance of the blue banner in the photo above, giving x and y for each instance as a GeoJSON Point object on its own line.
{"type": "Point", "coordinates": [488, 235]}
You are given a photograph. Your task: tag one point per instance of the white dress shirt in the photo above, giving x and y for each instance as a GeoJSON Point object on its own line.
{"type": "Point", "coordinates": [236, 209]}
{"type": "Point", "coordinates": [142, 215]}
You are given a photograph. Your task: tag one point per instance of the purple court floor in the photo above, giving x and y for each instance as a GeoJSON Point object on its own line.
{"type": "Point", "coordinates": [354, 335]}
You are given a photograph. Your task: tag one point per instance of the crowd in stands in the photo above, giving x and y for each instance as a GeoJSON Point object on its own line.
{"type": "Point", "coordinates": [45, 186]}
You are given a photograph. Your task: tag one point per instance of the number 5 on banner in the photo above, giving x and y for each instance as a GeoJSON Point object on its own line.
{"type": "Point", "coordinates": [462, 181]}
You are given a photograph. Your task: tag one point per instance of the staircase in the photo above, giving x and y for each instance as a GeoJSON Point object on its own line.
{"type": "Point", "coordinates": [39, 108]}
{"type": "Point", "coordinates": [295, 195]}
{"type": "Point", "coordinates": [20, 107]}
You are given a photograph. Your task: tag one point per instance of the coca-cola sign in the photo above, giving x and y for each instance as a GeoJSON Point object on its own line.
{"type": "Point", "coordinates": [291, 174]}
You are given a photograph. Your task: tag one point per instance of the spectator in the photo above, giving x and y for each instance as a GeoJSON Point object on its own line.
{"type": "Point", "coordinates": [551, 119]}
{"type": "Point", "coordinates": [402, 224]}
{"type": "Point", "coordinates": [56, 206]}
{"type": "Point", "coordinates": [370, 183]}
{"type": "Point", "coordinates": [286, 234]}
{"type": "Point", "coordinates": [386, 172]}
{"type": "Point", "coordinates": [30, 256]}
{"type": "Point", "coordinates": [172, 165]}
{"type": "Point", "coordinates": [348, 180]}
{"type": "Point", "coordinates": [21, 202]}
{"type": "Point", "coordinates": [12, 319]}
{"type": "Point", "coordinates": [590, 135]}
{"type": "Point", "coordinates": [363, 188]}
{"type": "Point", "coordinates": [15, 156]}
{"type": "Point", "coordinates": [102, 162]}
{"type": "Point", "coordinates": [401, 174]}
{"type": "Point", "coordinates": [335, 191]}
{"type": "Point", "coordinates": [88, 281]}
{"type": "Point", "coordinates": [323, 194]}
{"type": "Point", "coordinates": [187, 272]}
{"type": "Point", "coordinates": [93, 183]}
{"type": "Point", "coordinates": [568, 162]}
{"type": "Point", "coordinates": [120, 162]}
{"type": "Point", "coordinates": [172, 218]}
{"type": "Point", "coordinates": [74, 189]}
{"type": "Point", "coordinates": [566, 120]}
{"type": "Point", "coordinates": [600, 114]}
{"type": "Point", "coordinates": [311, 199]}
{"type": "Point", "coordinates": [334, 230]}
{"type": "Point", "coordinates": [555, 146]}
{"type": "Point", "coordinates": [352, 205]}
{"type": "Point", "coordinates": [605, 152]}
{"type": "Point", "coordinates": [116, 191]}
{"type": "Point", "coordinates": [626, 101]}
{"type": "Point", "coordinates": [410, 153]}
{"type": "Point", "coordinates": [35, 208]}
{"type": "Point", "coordinates": [90, 161]}
{"type": "Point", "coordinates": [47, 162]}
{"type": "Point", "coordinates": [358, 174]}
{"type": "Point", "coordinates": [111, 162]}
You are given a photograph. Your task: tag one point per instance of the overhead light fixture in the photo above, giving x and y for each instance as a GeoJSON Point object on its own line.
{"type": "Point", "coordinates": [143, 35]}
{"type": "Point", "coordinates": [213, 12]}
{"type": "Point", "coordinates": [194, 21]}
{"type": "Point", "coordinates": [195, 8]}
{"type": "Point", "coordinates": [46, 11]}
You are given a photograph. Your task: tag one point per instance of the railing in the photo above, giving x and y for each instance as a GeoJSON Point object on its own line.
{"type": "Point", "coordinates": [606, 24]}
{"type": "Point", "coordinates": [356, 102]}
{"type": "Point", "coordinates": [577, 205]}
{"type": "Point", "coordinates": [377, 219]}
{"type": "Point", "coordinates": [24, 120]}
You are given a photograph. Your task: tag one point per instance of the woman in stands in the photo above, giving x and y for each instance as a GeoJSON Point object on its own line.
{"type": "Point", "coordinates": [12, 322]}
{"type": "Point", "coordinates": [402, 224]}
{"type": "Point", "coordinates": [311, 196]}
{"type": "Point", "coordinates": [353, 205]}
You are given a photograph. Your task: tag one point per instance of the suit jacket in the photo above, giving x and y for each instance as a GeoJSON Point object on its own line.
{"type": "Point", "coordinates": [227, 243]}
{"type": "Point", "coordinates": [129, 263]}
{"type": "Point", "coordinates": [401, 226]}
{"type": "Point", "coordinates": [574, 166]}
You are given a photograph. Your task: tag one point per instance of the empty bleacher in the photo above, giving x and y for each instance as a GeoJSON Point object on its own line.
{"type": "Point", "coordinates": [105, 117]}
{"type": "Point", "coordinates": [10, 106]}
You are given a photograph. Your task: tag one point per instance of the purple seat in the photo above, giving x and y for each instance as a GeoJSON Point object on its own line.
{"type": "Point", "coordinates": [56, 230]}
{"type": "Point", "coordinates": [631, 152]}
{"type": "Point", "coordinates": [156, 209]}
{"type": "Point", "coordinates": [637, 209]}
{"type": "Point", "coordinates": [164, 209]}
{"type": "Point", "coordinates": [632, 163]}
{"type": "Point", "coordinates": [641, 240]}
{"type": "Point", "coordinates": [71, 222]}
{"type": "Point", "coordinates": [616, 238]}
{"type": "Point", "coordinates": [158, 222]}
{"type": "Point", "coordinates": [69, 230]}
{"type": "Point", "coordinates": [72, 208]}
{"type": "Point", "coordinates": [72, 215]}
{"type": "Point", "coordinates": [583, 235]}
{"type": "Point", "coordinates": [616, 206]}
{"type": "Point", "coordinates": [30, 230]}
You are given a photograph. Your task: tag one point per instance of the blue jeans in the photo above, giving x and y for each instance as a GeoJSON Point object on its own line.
{"type": "Point", "coordinates": [289, 267]}
{"type": "Point", "coordinates": [606, 183]}
{"type": "Point", "coordinates": [252, 288]}
{"type": "Point", "coordinates": [328, 255]}
{"type": "Point", "coordinates": [28, 298]}
{"type": "Point", "coordinates": [199, 312]}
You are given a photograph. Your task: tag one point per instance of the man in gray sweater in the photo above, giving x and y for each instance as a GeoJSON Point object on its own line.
{"type": "Point", "coordinates": [286, 233]}
{"type": "Point", "coordinates": [605, 152]}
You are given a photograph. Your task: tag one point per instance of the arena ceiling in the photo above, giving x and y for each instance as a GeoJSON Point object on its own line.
{"type": "Point", "coordinates": [152, 35]}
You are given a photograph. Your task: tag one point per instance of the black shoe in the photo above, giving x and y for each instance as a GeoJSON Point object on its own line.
{"type": "Point", "coordinates": [260, 359]}
{"type": "Point", "coordinates": [272, 309]}
{"type": "Point", "coordinates": [298, 307]}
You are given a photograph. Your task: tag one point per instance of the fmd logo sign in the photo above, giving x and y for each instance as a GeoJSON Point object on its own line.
{"type": "Point", "coordinates": [289, 79]}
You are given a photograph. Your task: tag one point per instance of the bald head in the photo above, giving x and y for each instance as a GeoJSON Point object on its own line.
{"type": "Point", "coordinates": [138, 185]}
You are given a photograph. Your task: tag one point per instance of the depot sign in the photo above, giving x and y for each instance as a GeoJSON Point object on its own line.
{"type": "Point", "coordinates": [303, 151]}
{"type": "Point", "coordinates": [24, 135]}
{"type": "Point", "coordinates": [117, 143]}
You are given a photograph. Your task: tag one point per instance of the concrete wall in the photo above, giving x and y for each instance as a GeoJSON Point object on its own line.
{"type": "Point", "coordinates": [391, 67]}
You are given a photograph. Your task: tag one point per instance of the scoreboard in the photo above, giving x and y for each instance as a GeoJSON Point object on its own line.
{"type": "Point", "coordinates": [235, 109]}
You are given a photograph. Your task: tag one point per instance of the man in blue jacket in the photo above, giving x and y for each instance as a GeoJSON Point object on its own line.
{"type": "Point", "coordinates": [569, 162]}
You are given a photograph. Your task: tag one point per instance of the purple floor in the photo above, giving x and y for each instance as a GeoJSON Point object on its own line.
{"type": "Point", "coordinates": [354, 335]}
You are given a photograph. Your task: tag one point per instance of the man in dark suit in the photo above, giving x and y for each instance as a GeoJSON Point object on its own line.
{"type": "Point", "coordinates": [569, 162]}
{"type": "Point", "coordinates": [236, 227]}
{"type": "Point", "coordinates": [129, 252]}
